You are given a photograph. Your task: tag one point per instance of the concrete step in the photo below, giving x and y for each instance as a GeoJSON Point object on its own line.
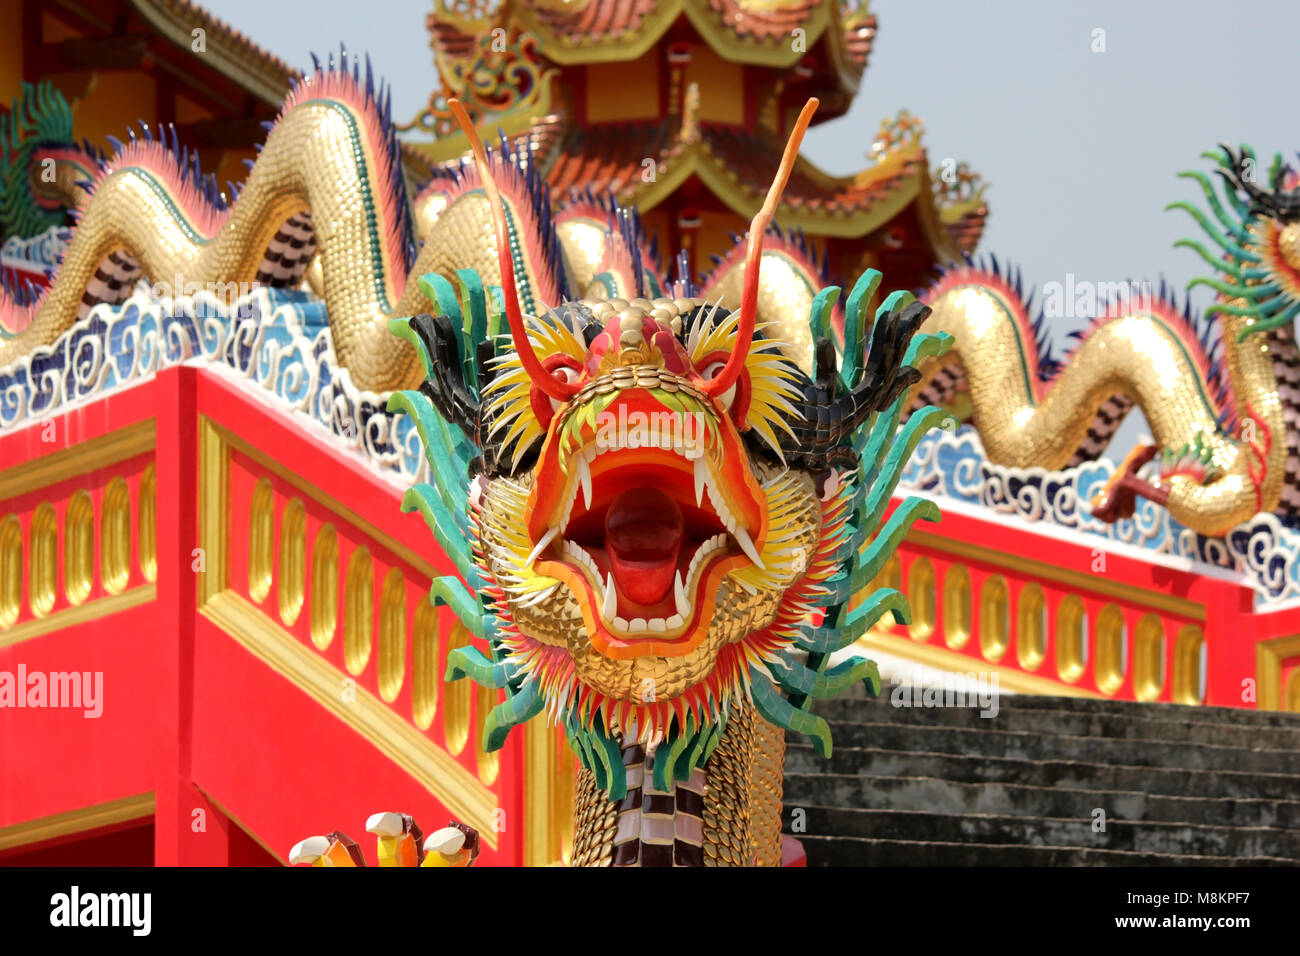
{"type": "Point", "coordinates": [1024, 745]}
{"type": "Point", "coordinates": [937, 795]}
{"type": "Point", "coordinates": [943, 786]}
{"type": "Point", "coordinates": [1135, 836]}
{"type": "Point", "coordinates": [1061, 772]}
{"type": "Point", "coordinates": [1160, 725]}
{"type": "Point", "coordinates": [857, 851]}
{"type": "Point", "coordinates": [848, 708]}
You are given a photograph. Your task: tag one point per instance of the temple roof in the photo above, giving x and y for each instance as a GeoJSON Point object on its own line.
{"type": "Point", "coordinates": [621, 25]}
{"type": "Point", "coordinates": [237, 57]}
{"type": "Point", "coordinates": [738, 166]}
{"type": "Point", "coordinates": [759, 32]}
{"type": "Point", "coordinates": [229, 51]}
{"type": "Point", "coordinates": [517, 89]}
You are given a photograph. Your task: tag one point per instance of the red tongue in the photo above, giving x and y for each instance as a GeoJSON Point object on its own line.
{"type": "Point", "coordinates": [643, 535]}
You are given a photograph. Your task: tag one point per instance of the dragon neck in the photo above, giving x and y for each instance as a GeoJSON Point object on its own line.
{"type": "Point", "coordinates": [728, 813]}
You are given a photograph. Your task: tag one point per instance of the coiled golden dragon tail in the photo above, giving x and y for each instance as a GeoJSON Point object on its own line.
{"type": "Point", "coordinates": [328, 173]}
{"type": "Point", "coordinates": [1145, 355]}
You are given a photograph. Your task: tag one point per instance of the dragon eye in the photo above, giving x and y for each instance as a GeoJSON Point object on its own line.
{"type": "Point", "coordinates": [711, 368]}
{"type": "Point", "coordinates": [562, 368]}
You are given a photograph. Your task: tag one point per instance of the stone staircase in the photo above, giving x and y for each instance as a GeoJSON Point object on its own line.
{"type": "Point", "coordinates": [941, 786]}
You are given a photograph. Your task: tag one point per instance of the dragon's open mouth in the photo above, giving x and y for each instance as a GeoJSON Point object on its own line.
{"type": "Point", "coordinates": [649, 533]}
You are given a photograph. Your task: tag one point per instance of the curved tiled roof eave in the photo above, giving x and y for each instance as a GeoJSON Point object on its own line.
{"type": "Point", "coordinates": [229, 52]}
{"type": "Point", "coordinates": [631, 44]}
{"type": "Point", "coordinates": [900, 189]}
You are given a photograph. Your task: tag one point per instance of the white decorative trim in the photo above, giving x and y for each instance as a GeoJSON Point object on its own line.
{"type": "Point", "coordinates": [38, 253]}
{"type": "Point", "coordinates": [279, 342]}
{"type": "Point", "coordinates": [952, 468]}
{"type": "Point", "coordinates": [275, 339]}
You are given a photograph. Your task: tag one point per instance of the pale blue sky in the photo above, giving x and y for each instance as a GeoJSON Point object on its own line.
{"type": "Point", "coordinates": [1080, 148]}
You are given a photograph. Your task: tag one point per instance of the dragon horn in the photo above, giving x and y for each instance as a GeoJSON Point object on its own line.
{"type": "Point", "coordinates": [548, 383]}
{"type": "Point", "coordinates": [757, 229]}
{"type": "Point", "coordinates": [1277, 202]}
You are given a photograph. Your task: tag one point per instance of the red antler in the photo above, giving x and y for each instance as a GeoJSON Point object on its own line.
{"type": "Point", "coordinates": [757, 229]}
{"type": "Point", "coordinates": [548, 383]}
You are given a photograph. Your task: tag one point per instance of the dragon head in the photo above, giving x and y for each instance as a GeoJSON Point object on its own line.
{"type": "Point", "coordinates": [1257, 231]}
{"type": "Point", "coordinates": [644, 543]}
{"type": "Point", "coordinates": [660, 502]}
{"type": "Point", "coordinates": [41, 166]}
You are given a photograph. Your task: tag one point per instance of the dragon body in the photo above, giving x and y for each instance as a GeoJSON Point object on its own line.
{"type": "Point", "coordinates": [326, 202]}
{"type": "Point", "coordinates": [1220, 395]}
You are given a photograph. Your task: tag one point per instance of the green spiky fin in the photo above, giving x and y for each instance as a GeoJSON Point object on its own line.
{"type": "Point", "coordinates": [39, 117]}
{"type": "Point", "coordinates": [1241, 274]}
{"type": "Point", "coordinates": [869, 541]}
{"type": "Point", "coordinates": [475, 311]}
{"type": "Point", "coordinates": [855, 311]}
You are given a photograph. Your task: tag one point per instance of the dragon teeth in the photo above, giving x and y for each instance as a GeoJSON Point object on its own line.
{"type": "Point", "coordinates": [580, 556]}
{"type": "Point", "coordinates": [724, 513]}
{"type": "Point", "coordinates": [584, 480]}
{"type": "Point", "coordinates": [747, 545]}
{"type": "Point", "coordinates": [541, 546]}
{"type": "Point", "coordinates": [728, 520]}
{"type": "Point", "coordinates": [704, 481]}
{"type": "Point", "coordinates": [703, 551]}
{"type": "Point", "coordinates": [679, 596]}
{"type": "Point", "coordinates": [641, 625]}
{"type": "Point", "coordinates": [610, 608]}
